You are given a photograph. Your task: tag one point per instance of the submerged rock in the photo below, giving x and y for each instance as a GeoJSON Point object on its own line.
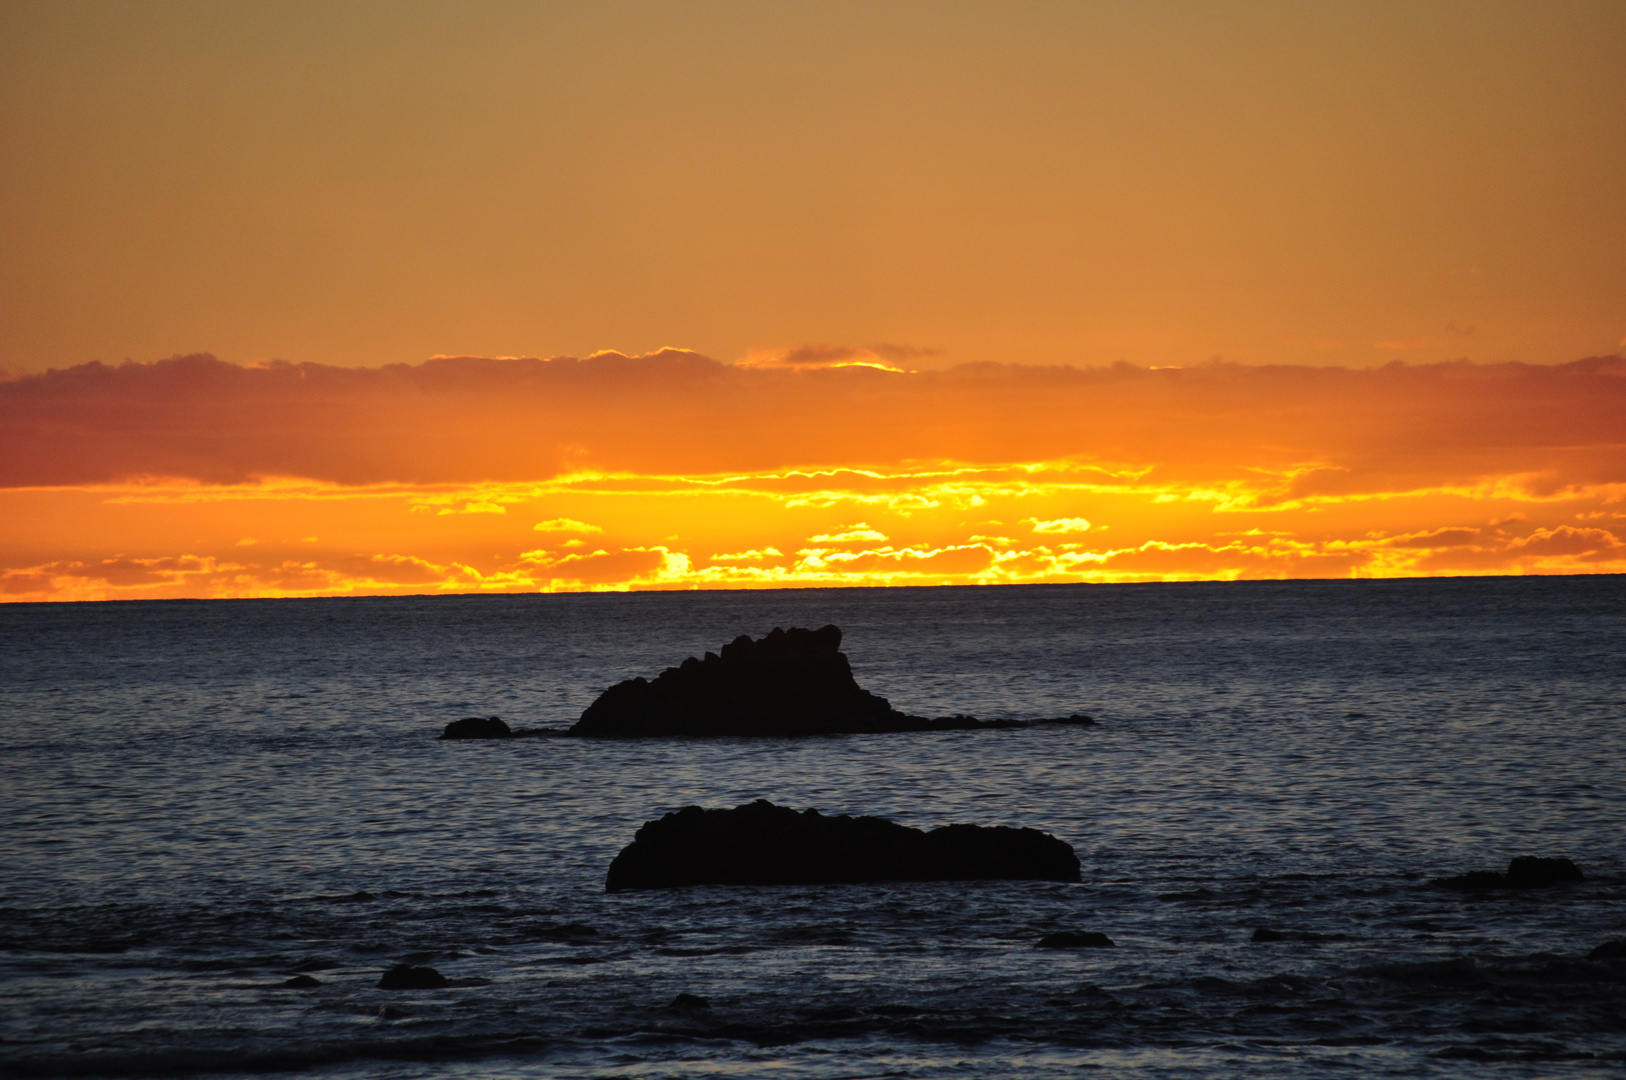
{"type": "Point", "coordinates": [689, 1001]}
{"type": "Point", "coordinates": [1533, 872]}
{"type": "Point", "coordinates": [1613, 949]}
{"type": "Point", "coordinates": [1524, 872]}
{"type": "Point", "coordinates": [764, 844]}
{"type": "Point", "coordinates": [1265, 935]}
{"type": "Point", "coordinates": [407, 977]}
{"type": "Point", "coordinates": [315, 963]}
{"type": "Point", "coordinates": [791, 682]}
{"type": "Point", "coordinates": [1071, 939]}
{"type": "Point", "coordinates": [301, 982]}
{"type": "Point", "coordinates": [477, 727]}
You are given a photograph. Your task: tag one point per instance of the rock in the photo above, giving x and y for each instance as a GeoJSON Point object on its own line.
{"type": "Point", "coordinates": [390, 1012]}
{"type": "Point", "coordinates": [764, 844]}
{"type": "Point", "coordinates": [790, 683]}
{"type": "Point", "coordinates": [1068, 939]}
{"type": "Point", "coordinates": [1473, 881]}
{"type": "Point", "coordinates": [1187, 895]}
{"type": "Point", "coordinates": [407, 977]}
{"type": "Point", "coordinates": [300, 982]}
{"type": "Point", "coordinates": [1458, 971]}
{"type": "Point", "coordinates": [477, 727]}
{"type": "Point", "coordinates": [1265, 935]}
{"type": "Point", "coordinates": [1524, 872]}
{"type": "Point", "coordinates": [1076, 719]}
{"type": "Point", "coordinates": [689, 1001]}
{"type": "Point", "coordinates": [1614, 949]}
{"type": "Point", "coordinates": [1532, 872]}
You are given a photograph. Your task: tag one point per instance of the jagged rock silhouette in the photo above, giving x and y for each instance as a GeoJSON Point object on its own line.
{"type": "Point", "coordinates": [791, 682]}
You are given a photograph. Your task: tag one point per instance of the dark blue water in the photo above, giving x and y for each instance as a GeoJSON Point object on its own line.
{"type": "Point", "coordinates": [193, 794]}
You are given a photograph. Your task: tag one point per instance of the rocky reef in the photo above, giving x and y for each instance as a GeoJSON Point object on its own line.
{"type": "Point", "coordinates": [1524, 872]}
{"type": "Point", "coordinates": [789, 683]}
{"type": "Point", "coordinates": [764, 844]}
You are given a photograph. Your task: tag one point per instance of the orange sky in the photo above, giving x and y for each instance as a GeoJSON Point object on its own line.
{"type": "Point", "coordinates": [906, 293]}
{"type": "Point", "coordinates": [195, 477]}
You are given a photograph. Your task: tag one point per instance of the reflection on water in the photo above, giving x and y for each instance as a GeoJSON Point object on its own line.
{"type": "Point", "coordinates": [196, 793]}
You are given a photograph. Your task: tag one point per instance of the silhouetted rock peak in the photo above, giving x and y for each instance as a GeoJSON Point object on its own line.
{"type": "Point", "coordinates": [791, 682]}
{"type": "Point", "coordinates": [1524, 872]}
{"type": "Point", "coordinates": [788, 683]}
{"type": "Point", "coordinates": [764, 844]}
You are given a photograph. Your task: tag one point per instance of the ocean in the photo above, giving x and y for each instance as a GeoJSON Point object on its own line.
{"type": "Point", "coordinates": [203, 799]}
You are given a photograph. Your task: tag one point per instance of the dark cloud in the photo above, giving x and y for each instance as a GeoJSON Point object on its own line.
{"type": "Point", "coordinates": [811, 355]}
{"type": "Point", "coordinates": [901, 353]}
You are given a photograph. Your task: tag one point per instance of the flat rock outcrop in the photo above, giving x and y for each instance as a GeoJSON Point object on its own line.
{"type": "Point", "coordinates": [764, 844]}
{"type": "Point", "coordinates": [789, 683]}
{"type": "Point", "coordinates": [1524, 872]}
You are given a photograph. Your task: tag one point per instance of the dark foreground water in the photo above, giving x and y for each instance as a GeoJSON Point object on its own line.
{"type": "Point", "coordinates": [200, 799]}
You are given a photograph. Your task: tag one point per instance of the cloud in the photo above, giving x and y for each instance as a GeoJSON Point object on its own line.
{"type": "Point", "coordinates": [754, 555]}
{"type": "Point", "coordinates": [565, 525]}
{"type": "Point", "coordinates": [1233, 434]}
{"type": "Point", "coordinates": [898, 354]}
{"type": "Point", "coordinates": [156, 540]}
{"type": "Point", "coordinates": [815, 357]}
{"type": "Point", "coordinates": [1060, 525]}
{"type": "Point", "coordinates": [851, 534]}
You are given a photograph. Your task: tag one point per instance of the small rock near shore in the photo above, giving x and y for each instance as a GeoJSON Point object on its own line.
{"type": "Point", "coordinates": [407, 977]}
{"type": "Point", "coordinates": [689, 1001]}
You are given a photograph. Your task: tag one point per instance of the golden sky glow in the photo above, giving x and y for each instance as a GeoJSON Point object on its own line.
{"type": "Point", "coordinates": [897, 293]}
{"type": "Point", "coordinates": [192, 477]}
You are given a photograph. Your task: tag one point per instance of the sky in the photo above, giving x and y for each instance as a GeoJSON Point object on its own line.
{"type": "Point", "coordinates": [308, 299]}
